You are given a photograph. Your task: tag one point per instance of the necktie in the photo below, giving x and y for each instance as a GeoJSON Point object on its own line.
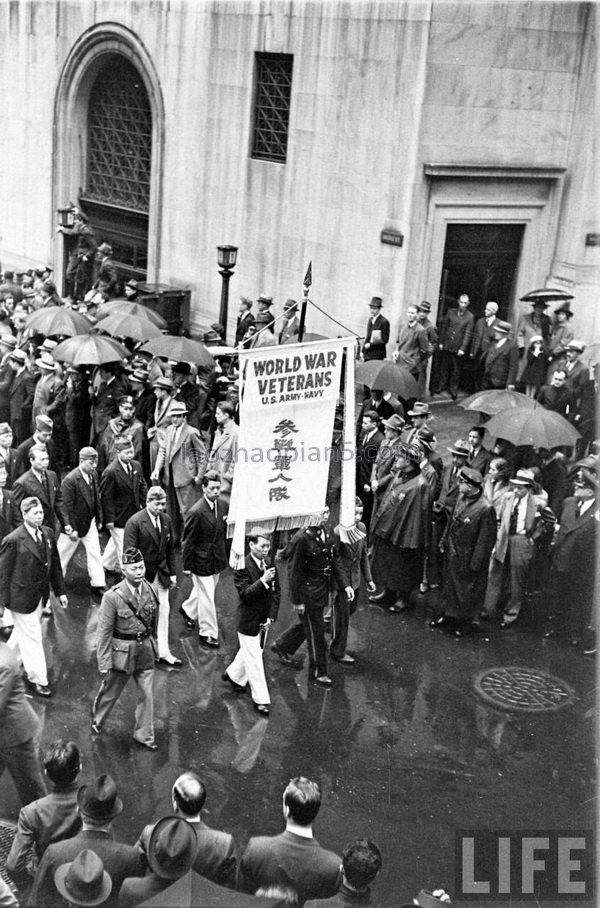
{"type": "Point", "coordinates": [514, 518]}
{"type": "Point", "coordinates": [579, 506]}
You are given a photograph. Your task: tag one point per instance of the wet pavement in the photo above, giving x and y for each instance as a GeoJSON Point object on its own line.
{"type": "Point", "coordinates": [406, 752]}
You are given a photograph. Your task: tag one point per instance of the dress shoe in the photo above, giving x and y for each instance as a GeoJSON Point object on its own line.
{"type": "Point", "coordinates": [400, 606]}
{"type": "Point", "coordinates": [238, 688]}
{"type": "Point", "coordinates": [261, 708]}
{"type": "Point", "coordinates": [284, 657]}
{"type": "Point", "coordinates": [211, 642]}
{"type": "Point", "coordinates": [189, 622]}
{"type": "Point", "coordinates": [95, 728]}
{"type": "Point", "coordinates": [346, 659]}
{"type": "Point", "coordinates": [379, 597]}
{"type": "Point", "coordinates": [323, 680]}
{"type": "Point", "coordinates": [172, 661]}
{"type": "Point", "coordinates": [440, 622]}
{"type": "Point", "coordinates": [42, 690]}
{"type": "Point", "coordinates": [150, 745]}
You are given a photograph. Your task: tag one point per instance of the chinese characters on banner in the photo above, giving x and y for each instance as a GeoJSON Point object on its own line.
{"type": "Point", "coordinates": [286, 423]}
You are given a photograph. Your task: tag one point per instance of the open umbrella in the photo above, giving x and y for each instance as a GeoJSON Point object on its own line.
{"type": "Point", "coordinates": [547, 295]}
{"type": "Point", "coordinates": [58, 320]}
{"type": "Point", "coordinates": [181, 349]}
{"type": "Point", "coordinates": [381, 375]}
{"type": "Point", "coordinates": [122, 324]}
{"type": "Point", "coordinates": [496, 401]}
{"type": "Point", "coordinates": [123, 305]}
{"type": "Point", "coordinates": [533, 426]}
{"type": "Point", "coordinates": [193, 890]}
{"type": "Point", "coordinates": [89, 350]}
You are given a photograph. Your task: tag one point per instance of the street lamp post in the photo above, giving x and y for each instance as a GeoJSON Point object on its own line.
{"type": "Point", "coordinates": [226, 259]}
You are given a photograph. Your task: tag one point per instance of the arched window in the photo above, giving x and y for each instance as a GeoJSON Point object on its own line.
{"type": "Point", "coordinates": [116, 195]}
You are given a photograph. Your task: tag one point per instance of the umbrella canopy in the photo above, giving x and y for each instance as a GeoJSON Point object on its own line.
{"type": "Point", "coordinates": [547, 295]}
{"type": "Point", "coordinates": [496, 401]}
{"type": "Point", "coordinates": [181, 349]}
{"type": "Point", "coordinates": [192, 890]}
{"type": "Point", "coordinates": [58, 320]}
{"type": "Point", "coordinates": [381, 375]}
{"type": "Point", "coordinates": [123, 305]}
{"type": "Point", "coordinates": [90, 350]}
{"type": "Point", "coordinates": [307, 337]}
{"type": "Point", "coordinates": [535, 426]}
{"type": "Point", "coordinates": [122, 324]}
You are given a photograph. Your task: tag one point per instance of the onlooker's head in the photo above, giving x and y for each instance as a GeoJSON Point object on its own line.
{"type": "Point", "coordinates": [62, 763]}
{"type": "Point", "coordinates": [223, 412]}
{"type": "Point", "coordinates": [83, 881]}
{"type": "Point", "coordinates": [211, 485]}
{"type": "Point", "coordinates": [301, 801]}
{"type": "Point", "coordinates": [361, 862]}
{"type": "Point", "coordinates": [558, 378]}
{"type": "Point", "coordinates": [172, 848]}
{"type": "Point", "coordinates": [476, 434]}
{"type": "Point", "coordinates": [189, 794]}
{"type": "Point", "coordinates": [99, 802]}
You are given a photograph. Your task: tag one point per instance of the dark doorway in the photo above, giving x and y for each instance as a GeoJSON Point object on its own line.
{"type": "Point", "coordinates": [481, 260]}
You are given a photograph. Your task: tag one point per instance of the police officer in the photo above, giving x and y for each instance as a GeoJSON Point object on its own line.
{"type": "Point", "coordinates": [314, 565]}
{"type": "Point", "coordinates": [126, 646]}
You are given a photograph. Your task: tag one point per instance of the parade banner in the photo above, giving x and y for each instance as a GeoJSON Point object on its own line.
{"type": "Point", "coordinates": [287, 411]}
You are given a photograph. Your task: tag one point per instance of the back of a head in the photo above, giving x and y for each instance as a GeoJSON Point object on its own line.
{"type": "Point", "coordinates": [189, 794]}
{"type": "Point", "coordinates": [361, 861]}
{"type": "Point", "coordinates": [62, 763]}
{"type": "Point", "coordinates": [303, 799]}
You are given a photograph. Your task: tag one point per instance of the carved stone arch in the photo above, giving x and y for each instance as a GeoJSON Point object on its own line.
{"type": "Point", "coordinates": [75, 84]}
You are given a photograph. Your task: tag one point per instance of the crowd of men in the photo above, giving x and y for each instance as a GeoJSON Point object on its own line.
{"type": "Point", "coordinates": [142, 454]}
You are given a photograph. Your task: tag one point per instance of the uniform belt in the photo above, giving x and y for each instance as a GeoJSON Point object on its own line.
{"type": "Point", "coordinates": [143, 635]}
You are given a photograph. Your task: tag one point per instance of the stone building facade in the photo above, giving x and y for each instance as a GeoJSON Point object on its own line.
{"type": "Point", "coordinates": [464, 131]}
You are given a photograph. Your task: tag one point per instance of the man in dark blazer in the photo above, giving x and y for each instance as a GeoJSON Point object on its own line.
{"type": "Point", "coordinates": [29, 568]}
{"type": "Point", "coordinates": [42, 435]}
{"type": "Point", "coordinates": [108, 279]}
{"type": "Point", "coordinates": [245, 320]}
{"type": "Point", "coordinates": [40, 482]}
{"type": "Point", "coordinates": [123, 492]}
{"type": "Point", "coordinates": [479, 458]}
{"type": "Point", "coordinates": [382, 469]}
{"type": "Point", "coordinates": [150, 531]}
{"type": "Point", "coordinates": [170, 855]}
{"type": "Point", "coordinates": [19, 728]}
{"type": "Point", "coordinates": [483, 337]}
{"type": "Point", "coordinates": [21, 394]}
{"type": "Point", "coordinates": [456, 333]}
{"type": "Point", "coordinates": [99, 804]}
{"type": "Point", "coordinates": [361, 864]}
{"type": "Point", "coordinates": [107, 390]}
{"type": "Point", "coordinates": [257, 585]}
{"type": "Point", "coordinates": [216, 857]}
{"type": "Point", "coordinates": [83, 513]}
{"type": "Point", "coordinates": [378, 332]}
{"type": "Point", "coordinates": [8, 454]}
{"type": "Point", "coordinates": [501, 362]}
{"type": "Point", "coordinates": [293, 857]}
{"type": "Point", "coordinates": [366, 453]}
{"type": "Point", "coordinates": [205, 557]}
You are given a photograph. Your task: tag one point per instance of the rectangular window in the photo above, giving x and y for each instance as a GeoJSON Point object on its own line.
{"type": "Point", "coordinates": [272, 106]}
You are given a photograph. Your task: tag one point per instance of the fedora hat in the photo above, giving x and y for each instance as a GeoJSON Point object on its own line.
{"type": "Point", "coordinates": [178, 408]}
{"type": "Point", "coordinates": [172, 848]}
{"type": "Point", "coordinates": [45, 361]}
{"type": "Point", "coordinates": [290, 304]}
{"type": "Point", "coordinates": [473, 477]}
{"type": "Point", "coordinates": [7, 340]}
{"type": "Point", "coordinates": [83, 881]}
{"type": "Point", "coordinates": [266, 299]}
{"type": "Point", "coordinates": [395, 422]}
{"type": "Point", "coordinates": [44, 422]}
{"type": "Point", "coordinates": [523, 478]}
{"type": "Point", "coordinates": [48, 344]}
{"type": "Point", "coordinates": [99, 800]}
{"type": "Point", "coordinates": [577, 345]}
{"type": "Point", "coordinates": [165, 383]}
{"type": "Point", "coordinates": [424, 306]}
{"type": "Point", "coordinates": [419, 409]}
{"type": "Point", "coordinates": [502, 327]}
{"type": "Point", "coordinates": [460, 448]}
{"type": "Point", "coordinates": [414, 452]}
{"type": "Point", "coordinates": [105, 249]}
{"type": "Point", "coordinates": [19, 356]}
{"type": "Point", "coordinates": [376, 302]}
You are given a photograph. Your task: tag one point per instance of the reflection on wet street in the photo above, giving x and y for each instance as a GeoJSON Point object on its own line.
{"type": "Point", "coordinates": [406, 752]}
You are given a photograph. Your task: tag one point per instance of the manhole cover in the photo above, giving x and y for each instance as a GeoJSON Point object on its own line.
{"type": "Point", "coordinates": [525, 690]}
{"type": "Point", "coordinates": [7, 834]}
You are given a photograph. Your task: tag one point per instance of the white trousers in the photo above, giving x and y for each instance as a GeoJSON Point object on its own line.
{"type": "Point", "coordinates": [162, 630]}
{"type": "Point", "coordinates": [113, 552]}
{"type": "Point", "coordinates": [248, 667]}
{"type": "Point", "coordinates": [200, 605]}
{"type": "Point", "coordinates": [91, 543]}
{"type": "Point", "coordinates": [27, 639]}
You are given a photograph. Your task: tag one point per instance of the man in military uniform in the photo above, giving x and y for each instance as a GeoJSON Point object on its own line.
{"type": "Point", "coordinates": [314, 565]}
{"type": "Point", "coordinates": [125, 646]}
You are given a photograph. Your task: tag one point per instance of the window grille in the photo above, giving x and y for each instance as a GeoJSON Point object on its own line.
{"type": "Point", "coordinates": [119, 138]}
{"type": "Point", "coordinates": [272, 106]}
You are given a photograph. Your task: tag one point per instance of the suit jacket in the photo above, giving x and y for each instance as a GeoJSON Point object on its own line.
{"type": "Point", "coordinates": [257, 602]}
{"type": "Point", "coordinates": [366, 454]}
{"type": "Point", "coordinates": [18, 720]}
{"type": "Point", "coordinates": [315, 566]}
{"type": "Point", "coordinates": [51, 497]}
{"type": "Point", "coordinates": [44, 392]}
{"type": "Point", "coordinates": [289, 328]}
{"type": "Point", "coordinates": [481, 461]}
{"type": "Point", "coordinates": [376, 350]}
{"type": "Point", "coordinates": [21, 392]}
{"type": "Point", "coordinates": [216, 858]}
{"type": "Point", "coordinates": [159, 423]}
{"type": "Point", "coordinates": [482, 336]}
{"type": "Point", "coordinates": [26, 575]}
{"type": "Point", "coordinates": [500, 366]}
{"type": "Point", "coordinates": [108, 278]}
{"type": "Point", "coordinates": [157, 548]}
{"type": "Point", "coordinates": [81, 502]}
{"type": "Point", "coordinates": [456, 331]}
{"type": "Point", "coordinates": [41, 823]}
{"type": "Point", "coordinates": [531, 521]}
{"type": "Point", "coordinates": [120, 612]}
{"type": "Point", "coordinates": [354, 557]}
{"type": "Point", "coordinates": [574, 543]}
{"type": "Point", "coordinates": [204, 532]}
{"type": "Point", "coordinates": [243, 323]}
{"type": "Point", "coordinates": [223, 455]}
{"type": "Point", "coordinates": [104, 403]}
{"type": "Point", "coordinates": [9, 456]}
{"type": "Point", "coordinates": [10, 516]}
{"type": "Point", "coordinates": [106, 446]}
{"type": "Point", "coordinates": [293, 860]}
{"type": "Point", "coordinates": [186, 458]}
{"type": "Point", "coordinates": [120, 861]}
{"type": "Point", "coordinates": [412, 346]}
{"type": "Point", "coordinates": [122, 495]}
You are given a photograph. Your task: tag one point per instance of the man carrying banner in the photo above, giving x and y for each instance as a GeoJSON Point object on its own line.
{"type": "Point", "coordinates": [314, 565]}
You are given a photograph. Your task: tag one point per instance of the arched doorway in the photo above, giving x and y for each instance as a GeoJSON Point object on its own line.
{"type": "Point", "coordinates": [109, 129]}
